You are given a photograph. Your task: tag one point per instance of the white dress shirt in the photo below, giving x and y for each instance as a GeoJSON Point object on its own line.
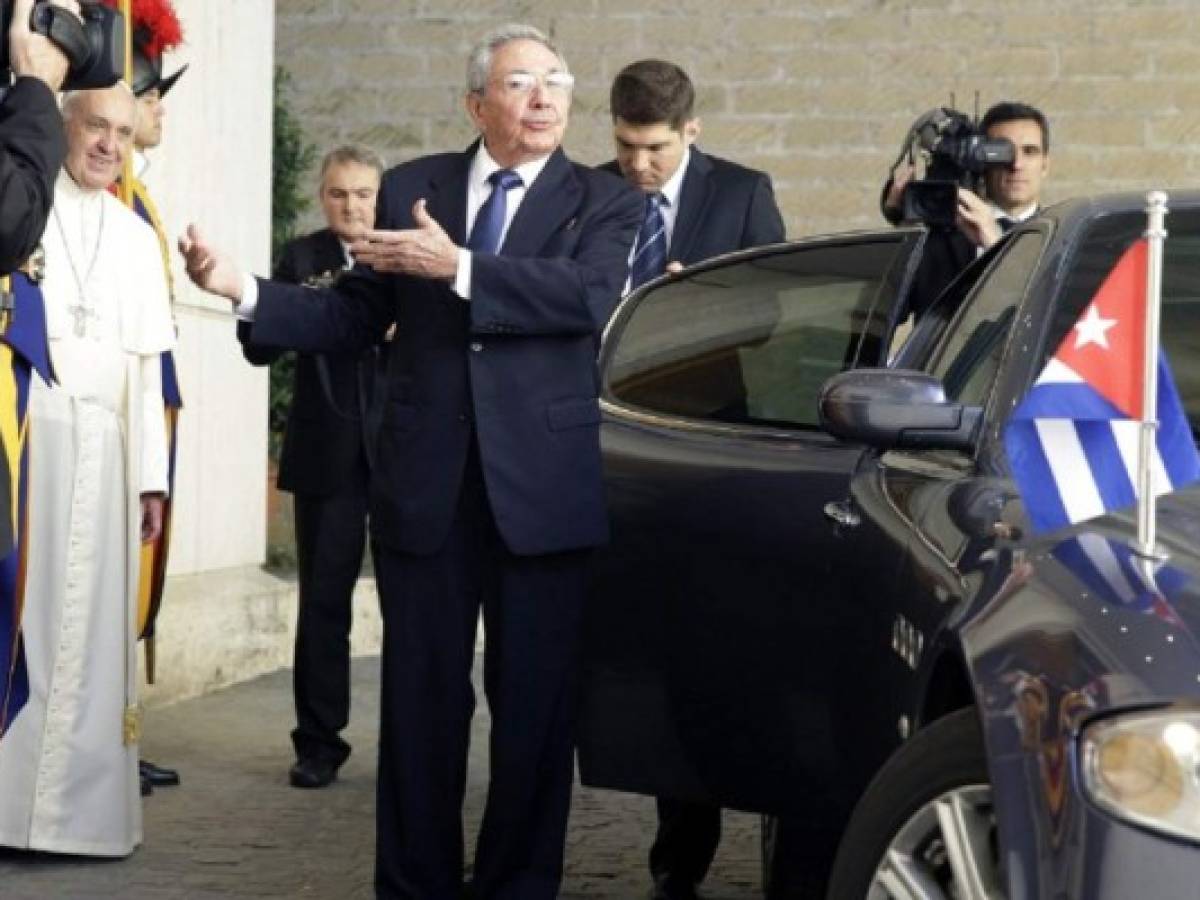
{"type": "Point", "coordinates": [478, 190]}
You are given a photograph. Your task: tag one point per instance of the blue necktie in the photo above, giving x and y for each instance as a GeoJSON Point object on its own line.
{"type": "Point", "coordinates": [489, 221]}
{"type": "Point", "coordinates": [650, 251]}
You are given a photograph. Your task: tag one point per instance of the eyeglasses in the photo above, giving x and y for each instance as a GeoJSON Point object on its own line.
{"type": "Point", "coordinates": [522, 82]}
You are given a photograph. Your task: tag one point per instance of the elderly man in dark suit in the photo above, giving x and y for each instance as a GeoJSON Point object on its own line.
{"type": "Point", "coordinates": [695, 206]}
{"type": "Point", "coordinates": [324, 463]}
{"type": "Point", "coordinates": [499, 266]}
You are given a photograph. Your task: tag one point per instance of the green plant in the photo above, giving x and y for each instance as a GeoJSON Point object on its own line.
{"type": "Point", "coordinates": [292, 156]}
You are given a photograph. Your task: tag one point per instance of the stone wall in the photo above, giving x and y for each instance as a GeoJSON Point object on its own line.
{"type": "Point", "coordinates": [818, 93]}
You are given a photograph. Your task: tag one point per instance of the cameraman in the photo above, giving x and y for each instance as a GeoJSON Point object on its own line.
{"type": "Point", "coordinates": [32, 141]}
{"type": "Point", "coordinates": [1013, 195]}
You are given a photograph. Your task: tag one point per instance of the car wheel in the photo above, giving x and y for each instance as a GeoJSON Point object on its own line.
{"type": "Point", "coordinates": [925, 828]}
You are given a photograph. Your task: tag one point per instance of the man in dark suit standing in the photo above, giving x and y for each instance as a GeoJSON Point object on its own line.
{"type": "Point", "coordinates": [499, 266]}
{"type": "Point", "coordinates": [324, 464]}
{"type": "Point", "coordinates": [1012, 194]}
{"type": "Point", "coordinates": [696, 206]}
{"type": "Point", "coordinates": [701, 205]}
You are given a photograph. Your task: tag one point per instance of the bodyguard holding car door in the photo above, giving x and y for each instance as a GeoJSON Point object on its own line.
{"type": "Point", "coordinates": [696, 206]}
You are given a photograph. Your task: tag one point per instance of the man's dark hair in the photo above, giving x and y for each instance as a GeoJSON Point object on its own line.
{"type": "Point", "coordinates": [1011, 111]}
{"type": "Point", "coordinates": [650, 91]}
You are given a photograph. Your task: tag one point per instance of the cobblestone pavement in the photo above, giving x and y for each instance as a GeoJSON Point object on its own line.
{"type": "Point", "coordinates": [236, 829]}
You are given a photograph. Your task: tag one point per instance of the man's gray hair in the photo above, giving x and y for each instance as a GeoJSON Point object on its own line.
{"type": "Point", "coordinates": [351, 153]}
{"type": "Point", "coordinates": [479, 63]}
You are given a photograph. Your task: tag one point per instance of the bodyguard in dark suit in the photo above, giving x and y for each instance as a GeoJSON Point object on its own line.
{"type": "Point", "coordinates": [499, 267]}
{"type": "Point", "coordinates": [324, 463]}
{"type": "Point", "coordinates": [707, 205]}
{"type": "Point", "coordinates": [695, 206]}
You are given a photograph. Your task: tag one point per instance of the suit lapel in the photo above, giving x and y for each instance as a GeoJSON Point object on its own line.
{"type": "Point", "coordinates": [447, 199]}
{"type": "Point", "coordinates": [693, 198]}
{"type": "Point", "coordinates": [329, 256]}
{"type": "Point", "coordinates": [549, 202]}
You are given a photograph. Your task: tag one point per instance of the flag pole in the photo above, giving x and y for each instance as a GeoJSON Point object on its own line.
{"type": "Point", "coordinates": [1156, 234]}
{"type": "Point", "coordinates": [125, 185]}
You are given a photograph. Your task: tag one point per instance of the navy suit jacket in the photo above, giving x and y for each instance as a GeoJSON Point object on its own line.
{"type": "Point", "coordinates": [515, 366]}
{"type": "Point", "coordinates": [722, 207]}
{"type": "Point", "coordinates": [326, 432]}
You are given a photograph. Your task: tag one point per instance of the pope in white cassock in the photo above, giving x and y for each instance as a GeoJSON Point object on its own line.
{"type": "Point", "coordinates": [98, 473]}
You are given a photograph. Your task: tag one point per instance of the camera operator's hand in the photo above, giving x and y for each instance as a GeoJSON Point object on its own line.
{"type": "Point", "coordinates": [977, 220]}
{"type": "Point", "coordinates": [210, 269]}
{"type": "Point", "coordinates": [902, 176]}
{"type": "Point", "coordinates": [33, 54]}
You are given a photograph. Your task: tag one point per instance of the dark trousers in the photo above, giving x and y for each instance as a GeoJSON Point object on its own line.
{"type": "Point", "coordinates": [687, 838]}
{"type": "Point", "coordinates": [531, 610]}
{"type": "Point", "coordinates": [330, 538]}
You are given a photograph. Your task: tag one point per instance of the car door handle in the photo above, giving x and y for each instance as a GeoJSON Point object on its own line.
{"type": "Point", "coordinates": [841, 513]}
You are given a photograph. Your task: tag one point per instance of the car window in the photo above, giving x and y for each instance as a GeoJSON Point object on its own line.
{"type": "Point", "coordinates": [752, 342]}
{"type": "Point", "coordinates": [970, 355]}
{"type": "Point", "coordinates": [1099, 251]}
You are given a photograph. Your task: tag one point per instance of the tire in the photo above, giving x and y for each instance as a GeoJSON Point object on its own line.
{"type": "Point", "coordinates": [924, 829]}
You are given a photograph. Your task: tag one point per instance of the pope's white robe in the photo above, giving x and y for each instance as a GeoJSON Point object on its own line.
{"type": "Point", "coordinates": [68, 777]}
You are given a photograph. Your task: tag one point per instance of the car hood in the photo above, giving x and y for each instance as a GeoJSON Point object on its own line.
{"type": "Point", "coordinates": [1080, 610]}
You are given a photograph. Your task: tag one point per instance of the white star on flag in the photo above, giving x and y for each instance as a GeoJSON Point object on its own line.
{"type": "Point", "coordinates": [1093, 329]}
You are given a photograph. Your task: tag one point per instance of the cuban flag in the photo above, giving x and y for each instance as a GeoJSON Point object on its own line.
{"type": "Point", "coordinates": [1114, 576]}
{"type": "Point", "coordinates": [1072, 443]}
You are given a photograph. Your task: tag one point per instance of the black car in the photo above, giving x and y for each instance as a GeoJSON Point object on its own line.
{"type": "Point", "coordinates": [858, 635]}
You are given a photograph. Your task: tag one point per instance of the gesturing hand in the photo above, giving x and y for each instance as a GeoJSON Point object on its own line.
{"type": "Point", "coordinates": [152, 516]}
{"type": "Point", "coordinates": [210, 269]}
{"type": "Point", "coordinates": [425, 251]}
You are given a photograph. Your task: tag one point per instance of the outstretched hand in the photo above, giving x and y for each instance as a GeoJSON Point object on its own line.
{"type": "Point", "coordinates": [425, 251]}
{"type": "Point", "coordinates": [208, 268]}
{"type": "Point", "coordinates": [153, 508]}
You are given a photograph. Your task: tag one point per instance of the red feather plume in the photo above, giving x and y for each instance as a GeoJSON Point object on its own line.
{"type": "Point", "coordinates": [156, 27]}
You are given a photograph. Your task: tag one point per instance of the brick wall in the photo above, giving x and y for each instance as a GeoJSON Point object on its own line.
{"type": "Point", "coordinates": [818, 93]}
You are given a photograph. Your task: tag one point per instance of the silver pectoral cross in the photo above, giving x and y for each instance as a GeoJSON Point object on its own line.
{"type": "Point", "coordinates": [80, 314]}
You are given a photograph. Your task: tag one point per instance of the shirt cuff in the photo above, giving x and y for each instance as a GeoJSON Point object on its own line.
{"type": "Point", "coordinates": [244, 308]}
{"type": "Point", "coordinates": [462, 276]}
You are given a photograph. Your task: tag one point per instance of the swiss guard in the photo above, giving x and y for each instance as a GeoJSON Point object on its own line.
{"type": "Point", "coordinates": [24, 355]}
{"type": "Point", "coordinates": [155, 30]}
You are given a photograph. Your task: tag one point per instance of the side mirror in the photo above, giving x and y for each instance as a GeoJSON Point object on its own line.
{"type": "Point", "coordinates": [896, 408]}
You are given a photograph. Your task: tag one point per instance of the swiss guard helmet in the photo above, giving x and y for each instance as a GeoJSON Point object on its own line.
{"type": "Point", "coordinates": [156, 29]}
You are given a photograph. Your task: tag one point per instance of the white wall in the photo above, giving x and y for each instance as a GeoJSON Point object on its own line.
{"type": "Point", "coordinates": [214, 168]}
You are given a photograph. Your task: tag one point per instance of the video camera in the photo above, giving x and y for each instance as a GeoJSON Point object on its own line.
{"type": "Point", "coordinates": [94, 44]}
{"type": "Point", "coordinates": [956, 155]}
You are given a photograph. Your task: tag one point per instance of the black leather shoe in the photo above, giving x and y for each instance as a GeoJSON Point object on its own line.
{"type": "Point", "coordinates": [147, 787]}
{"type": "Point", "coordinates": [157, 775]}
{"type": "Point", "coordinates": [312, 773]}
{"type": "Point", "coordinates": [668, 888]}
